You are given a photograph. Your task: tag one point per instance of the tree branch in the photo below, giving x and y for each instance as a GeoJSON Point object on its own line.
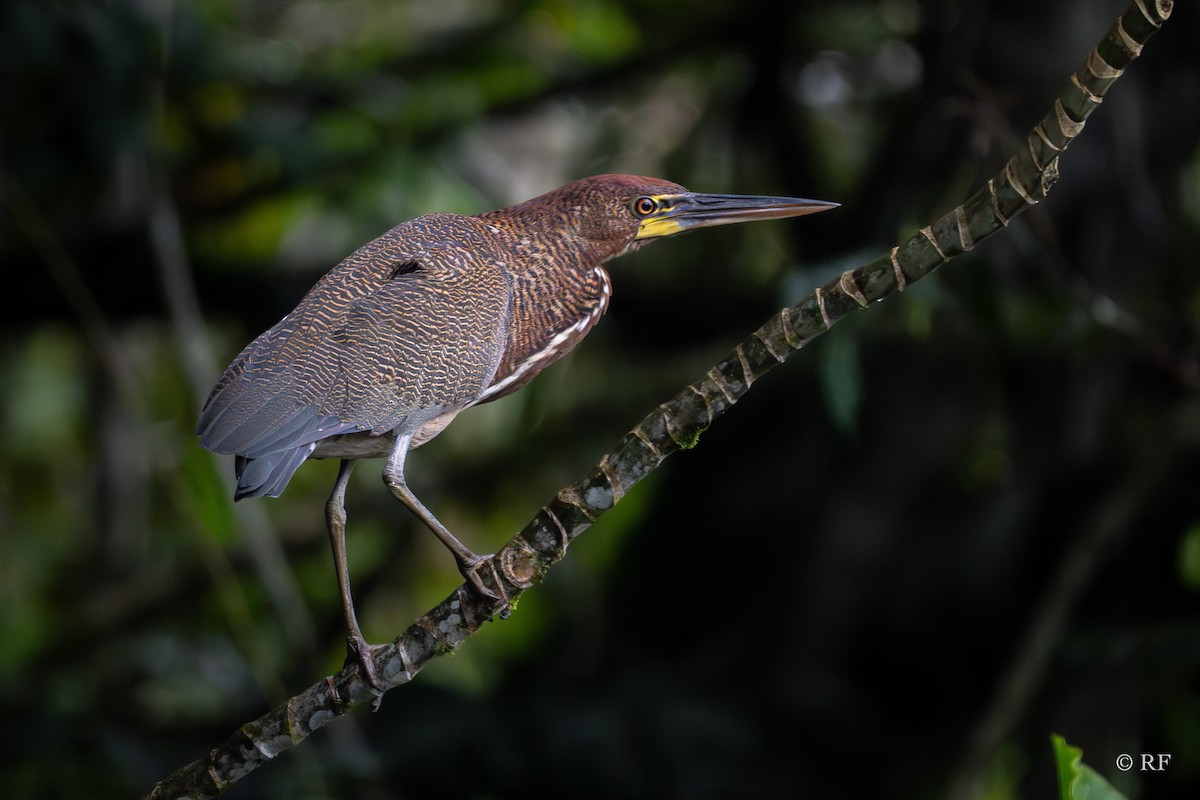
{"type": "Point", "coordinates": [678, 423]}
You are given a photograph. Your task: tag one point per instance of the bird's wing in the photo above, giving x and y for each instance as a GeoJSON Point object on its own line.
{"type": "Point", "coordinates": [404, 329]}
{"type": "Point", "coordinates": [426, 342]}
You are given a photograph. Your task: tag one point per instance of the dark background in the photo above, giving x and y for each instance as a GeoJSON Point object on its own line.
{"type": "Point", "coordinates": [962, 521]}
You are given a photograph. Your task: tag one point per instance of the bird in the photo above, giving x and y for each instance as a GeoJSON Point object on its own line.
{"type": "Point", "coordinates": [438, 314]}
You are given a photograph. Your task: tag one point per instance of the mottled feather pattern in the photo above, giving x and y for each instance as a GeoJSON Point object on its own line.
{"type": "Point", "coordinates": [560, 240]}
{"type": "Point", "coordinates": [433, 316]}
{"type": "Point", "coordinates": [343, 359]}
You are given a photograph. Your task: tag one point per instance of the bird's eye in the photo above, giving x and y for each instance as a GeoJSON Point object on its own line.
{"type": "Point", "coordinates": [645, 206]}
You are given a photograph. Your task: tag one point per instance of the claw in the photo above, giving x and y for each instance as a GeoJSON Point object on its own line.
{"type": "Point", "coordinates": [358, 650]}
{"type": "Point", "coordinates": [470, 570]}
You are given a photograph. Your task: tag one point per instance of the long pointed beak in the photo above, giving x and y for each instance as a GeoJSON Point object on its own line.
{"type": "Point", "coordinates": [684, 212]}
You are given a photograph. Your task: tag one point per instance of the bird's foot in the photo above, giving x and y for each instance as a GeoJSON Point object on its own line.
{"type": "Point", "coordinates": [359, 651]}
{"type": "Point", "coordinates": [470, 569]}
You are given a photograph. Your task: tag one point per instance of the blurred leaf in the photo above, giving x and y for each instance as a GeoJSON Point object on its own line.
{"type": "Point", "coordinates": [841, 377]}
{"type": "Point", "coordinates": [1189, 557]}
{"type": "Point", "coordinates": [209, 495]}
{"type": "Point", "coordinates": [43, 395]}
{"type": "Point", "coordinates": [255, 234]}
{"type": "Point", "coordinates": [346, 133]}
{"type": "Point", "coordinates": [1005, 774]}
{"type": "Point", "coordinates": [595, 30]}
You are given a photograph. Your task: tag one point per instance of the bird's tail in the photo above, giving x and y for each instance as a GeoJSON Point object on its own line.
{"type": "Point", "coordinates": [268, 474]}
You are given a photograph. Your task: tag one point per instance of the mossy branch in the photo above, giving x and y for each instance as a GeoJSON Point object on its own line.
{"type": "Point", "coordinates": [678, 423]}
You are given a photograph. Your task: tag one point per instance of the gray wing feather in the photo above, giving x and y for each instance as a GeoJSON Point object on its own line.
{"type": "Point", "coordinates": [369, 348]}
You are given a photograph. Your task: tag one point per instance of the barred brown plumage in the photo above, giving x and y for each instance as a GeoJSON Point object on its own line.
{"type": "Point", "coordinates": [438, 314]}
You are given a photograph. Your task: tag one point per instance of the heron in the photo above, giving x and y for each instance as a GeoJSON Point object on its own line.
{"type": "Point", "coordinates": [440, 313]}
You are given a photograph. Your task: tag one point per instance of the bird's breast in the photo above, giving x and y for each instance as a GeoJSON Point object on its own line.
{"type": "Point", "coordinates": [547, 320]}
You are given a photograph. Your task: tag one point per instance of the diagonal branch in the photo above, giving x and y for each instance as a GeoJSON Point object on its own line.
{"type": "Point", "coordinates": [678, 423]}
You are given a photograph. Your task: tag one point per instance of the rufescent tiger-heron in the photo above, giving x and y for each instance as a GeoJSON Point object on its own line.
{"type": "Point", "coordinates": [439, 314]}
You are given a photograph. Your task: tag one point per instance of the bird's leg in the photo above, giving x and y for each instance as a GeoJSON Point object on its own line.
{"type": "Point", "coordinates": [335, 519]}
{"type": "Point", "coordinates": [468, 562]}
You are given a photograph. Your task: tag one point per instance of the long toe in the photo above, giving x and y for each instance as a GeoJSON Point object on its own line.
{"type": "Point", "coordinates": [357, 650]}
{"type": "Point", "coordinates": [470, 570]}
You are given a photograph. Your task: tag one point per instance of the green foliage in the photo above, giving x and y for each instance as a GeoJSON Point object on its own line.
{"type": "Point", "coordinates": [1189, 557]}
{"type": "Point", "coordinates": [841, 377]}
{"type": "Point", "coordinates": [1076, 780]}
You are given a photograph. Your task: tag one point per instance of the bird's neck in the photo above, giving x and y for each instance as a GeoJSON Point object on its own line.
{"type": "Point", "coordinates": [541, 239]}
{"type": "Point", "coordinates": [558, 291]}
{"type": "Point", "coordinates": [551, 266]}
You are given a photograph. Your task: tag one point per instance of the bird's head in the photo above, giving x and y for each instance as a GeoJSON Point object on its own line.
{"type": "Point", "coordinates": [618, 213]}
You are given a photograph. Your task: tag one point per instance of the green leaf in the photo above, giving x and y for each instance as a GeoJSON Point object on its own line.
{"type": "Point", "coordinates": [841, 379]}
{"type": "Point", "coordinates": [1076, 780]}
{"type": "Point", "coordinates": [1189, 557]}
